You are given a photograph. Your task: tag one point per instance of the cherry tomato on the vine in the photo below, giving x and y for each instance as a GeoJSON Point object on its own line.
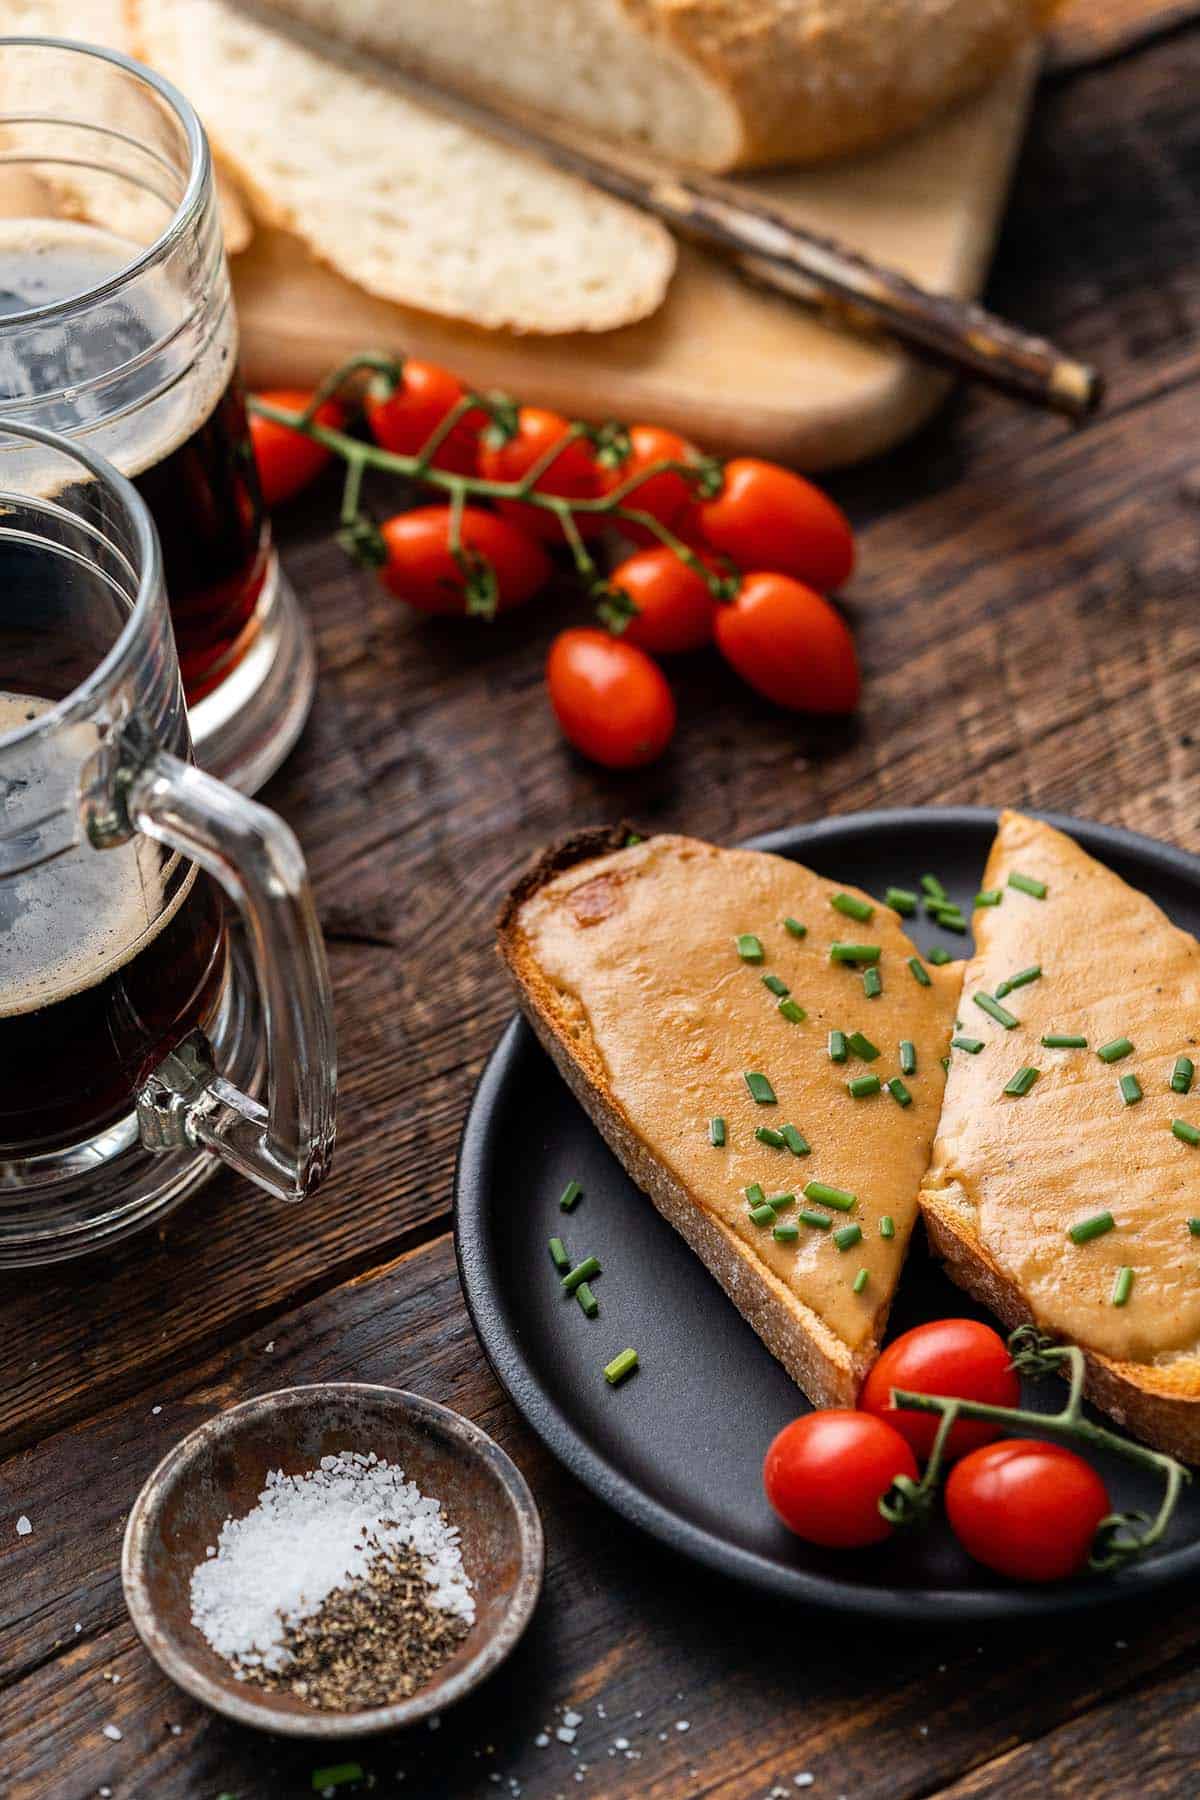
{"type": "Point", "coordinates": [664, 495]}
{"type": "Point", "coordinates": [962, 1358]}
{"type": "Point", "coordinates": [287, 460]}
{"type": "Point", "coordinates": [611, 701]}
{"type": "Point", "coordinates": [573, 475]}
{"type": "Point", "coordinates": [766, 517]}
{"type": "Point", "coordinates": [421, 569]}
{"type": "Point", "coordinates": [1026, 1509]}
{"type": "Point", "coordinates": [790, 645]}
{"type": "Point", "coordinates": [826, 1473]}
{"type": "Point", "coordinates": [675, 606]}
{"type": "Point", "coordinates": [403, 416]}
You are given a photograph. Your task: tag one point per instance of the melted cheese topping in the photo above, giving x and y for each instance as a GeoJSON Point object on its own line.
{"type": "Point", "coordinates": [642, 946]}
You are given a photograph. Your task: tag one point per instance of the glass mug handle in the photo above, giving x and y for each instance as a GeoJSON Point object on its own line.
{"type": "Point", "coordinates": [285, 1146]}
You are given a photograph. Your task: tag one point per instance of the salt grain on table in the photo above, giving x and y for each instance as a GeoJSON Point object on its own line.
{"type": "Point", "coordinates": [24, 1526]}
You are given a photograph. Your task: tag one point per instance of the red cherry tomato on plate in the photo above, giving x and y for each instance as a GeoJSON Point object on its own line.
{"type": "Point", "coordinates": [790, 645]}
{"type": "Point", "coordinates": [403, 416]}
{"type": "Point", "coordinates": [573, 475]}
{"type": "Point", "coordinates": [287, 460]}
{"type": "Point", "coordinates": [958, 1357]}
{"type": "Point", "coordinates": [675, 607]}
{"type": "Point", "coordinates": [1026, 1509]}
{"type": "Point", "coordinates": [611, 701]}
{"type": "Point", "coordinates": [826, 1473]}
{"type": "Point", "coordinates": [421, 570]}
{"type": "Point", "coordinates": [766, 517]}
{"type": "Point", "coordinates": [664, 495]}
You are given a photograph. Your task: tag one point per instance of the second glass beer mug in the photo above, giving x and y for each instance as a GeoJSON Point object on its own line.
{"type": "Point", "coordinates": [132, 1019]}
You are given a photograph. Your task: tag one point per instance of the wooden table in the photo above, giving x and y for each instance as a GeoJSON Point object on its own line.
{"type": "Point", "coordinates": [1028, 615]}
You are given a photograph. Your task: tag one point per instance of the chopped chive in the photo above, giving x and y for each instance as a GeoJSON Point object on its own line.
{"type": "Point", "coordinates": [1182, 1075]}
{"type": "Point", "coordinates": [847, 1237]}
{"type": "Point", "coordinates": [854, 953]}
{"type": "Point", "coordinates": [908, 1057]}
{"type": "Point", "coordinates": [760, 1088]}
{"type": "Point", "coordinates": [872, 983]}
{"type": "Point", "coordinates": [337, 1775]}
{"type": "Point", "coordinates": [1187, 1134]}
{"type": "Point", "coordinates": [1021, 1082]}
{"type": "Point", "coordinates": [838, 1049]}
{"type": "Point", "coordinates": [861, 1280]}
{"type": "Point", "coordinates": [1122, 1286]}
{"type": "Point", "coordinates": [989, 897]}
{"type": "Point", "coordinates": [764, 1214]}
{"type": "Point", "coordinates": [933, 887]}
{"type": "Point", "coordinates": [632, 838]}
{"type": "Point", "coordinates": [939, 957]}
{"type": "Point", "coordinates": [862, 1046]}
{"type": "Point", "coordinates": [570, 1195]}
{"type": "Point", "coordinates": [945, 1061]}
{"type": "Point", "coordinates": [1028, 884]}
{"type": "Point", "coordinates": [781, 1202]}
{"type": "Point", "coordinates": [754, 1194]}
{"type": "Point", "coordinates": [863, 1085]}
{"type": "Point", "coordinates": [818, 1220]}
{"type": "Point", "coordinates": [1021, 979]}
{"type": "Point", "coordinates": [919, 972]}
{"type": "Point", "coordinates": [971, 1045]}
{"type": "Point", "coordinates": [901, 900]}
{"type": "Point", "coordinates": [749, 948]}
{"type": "Point", "coordinates": [1193, 1226]}
{"type": "Point", "coordinates": [620, 1367]}
{"type": "Point", "coordinates": [796, 1141]}
{"type": "Point", "coordinates": [831, 1196]}
{"type": "Point", "coordinates": [581, 1272]}
{"type": "Point", "coordinates": [558, 1254]}
{"type": "Point", "coordinates": [1115, 1051]}
{"type": "Point", "coordinates": [862, 910]}
{"type": "Point", "coordinates": [1131, 1089]}
{"type": "Point", "coordinates": [795, 1015]}
{"type": "Point", "coordinates": [587, 1300]}
{"type": "Point", "coordinates": [716, 1133]}
{"type": "Point", "coordinates": [786, 1233]}
{"type": "Point", "coordinates": [952, 921]}
{"type": "Point", "coordinates": [1064, 1040]}
{"type": "Point", "coordinates": [766, 1134]}
{"type": "Point", "coordinates": [1095, 1227]}
{"type": "Point", "coordinates": [795, 927]}
{"type": "Point", "coordinates": [776, 986]}
{"type": "Point", "coordinates": [994, 1010]}
{"type": "Point", "coordinates": [899, 1092]}
{"type": "Point", "coordinates": [887, 1226]}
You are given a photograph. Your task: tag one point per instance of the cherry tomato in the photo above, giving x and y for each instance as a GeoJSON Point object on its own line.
{"type": "Point", "coordinates": [403, 417]}
{"type": "Point", "coordinates": [675, 607]}
{"type": "Point", "coordinates": [287, 460]}
{"type": "Point", "coordinates": [1026, 1509]}
{"type": "Point", "coordinates": [421, 570]}
{"type": "Point", "coordinates": [790, 645]}
{"type": "Point", "coordinates": [610, 699]}
{"type": "Point", "coordinates": [766, 517]}
{"type": "Point", "coordinates": [573, 475]}
{"type": "Point", "coordinates": [958, 1357]}
{"type": "Point", "coordinates": [665, 495]}
{"type": "Point", "coordinates": [826, 1473]}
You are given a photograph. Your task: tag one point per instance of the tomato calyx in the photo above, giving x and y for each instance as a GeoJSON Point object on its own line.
{"type": "Point", "coordinates": [363, 543]}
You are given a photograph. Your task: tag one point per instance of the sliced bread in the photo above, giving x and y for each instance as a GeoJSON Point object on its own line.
{"type": "Point", "coordinates": [396, 197]}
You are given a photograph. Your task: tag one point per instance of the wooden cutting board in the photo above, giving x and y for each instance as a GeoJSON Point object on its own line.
{"type": "Point", "coordinates": [726, 364]}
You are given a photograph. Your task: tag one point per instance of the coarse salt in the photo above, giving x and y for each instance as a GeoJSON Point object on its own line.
{"type": "Point", "coordinates": [112, 1733]}
{"type": "Point", "coordinates": [308, 1535]}
{"type": "Point", "coordinates": [24, 1525]}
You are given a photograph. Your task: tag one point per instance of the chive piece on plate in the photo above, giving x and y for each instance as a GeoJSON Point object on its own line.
{"type": "Point", "coordinates": [901, 900]}
{"type": "Point", "coordinates": [861, 1280]}
{"type": "Point", "coordinates": [570, 1195]}
{"type": "Point", "coordinates": [777, 987]}
{"type": "Point", "coordinates": [796, 1141]}
{"type": "Point", "coordinates": [821, 1221]}
{"type": "Point", "coordinates": [939, 957]}
{"type": "Point", "coordinates": [838, 1048]}
{"type": "Point", "coordinates": [887, 1226]}
{"type": "Point", "coordinates": [620, 1367]}
{"type": "Point", "coordinates": [989, 897]}
{"type": "Point", "coordinates": [1122, 1286]}
{"type": "Point", "coordinates": [971, 1045]}
{"type": "Point", "coordinates": [863, 1085]}
{"type": "Point", "coordinates": [919, 972]}
{"type": "Point", "coordinates": [1095, 1227]}
{"type": "Point", "coordinates": [852, 907]}
{"type": "Point", "coordinates": [862, 1046]}
{"type": "Point", "coordinates": [934, 888]}
{"type": "Point", "coordinates": [786, 1233]}
{"type": "Point", "coordinates": [632, 838]}
{"type": "Point", "coordinates": [1021, 1082]}
{"type": "Point", "coordinates": [1131, 1089]}
{"type": "Point", "coordinates": [749, 947]}
{"type": "Point", "coordinates": [994, 1010]}
{"type": "Point", "coordinates": [766, 1134]}
{"type": "Point", "coordinates": [335, 1776]}
{"type": "Point", "coordinates": [760, 1088]}
{"type": "Point", "coordinates": [1194, 1227]}
{"type": "Point", "coordinates": [854, 953]}
{"type": "Point", "coordinates": [952, 921]}
{"type": "Point", "coordinates": [764, 1214]}
{"type": "Point", "coordinates": [831, 1196]}
{"type": "Point", "coordinates": [1182, 1075]}
{"type": "Point", "coordinates": [558, 1254]}
{"type": "Point", "coordinates": [587, 1300]}
{"type": "Point", "coordinates": [781, 1202]}
{"type": "Point", "coordinates": [1028, 884]}
{"type": "Point", "coordinates": [945, 1061]}
{"type": "Point", "coordinates": [581, 1272]}
{"type": "Point", "coordinates": [1064, 1040]}
{"type": "Point", "coordinates": [716, 1133]}
{"type": "Point", "coordinates": [1115, 1051]}
{"type": "Point", "coordinates": [795, 1015]}
{"type": "Point", "coordinates": [908, 1057]}
{"type": "Point", "coordinates": [795, 927]}
{"type": "Point", "coordinates": [847, 1236]}
{"type": "Point", "coordinates": [1187, 1134]}
{"type": "Point", "coordinates": [754, 1194]}
{"type": "Point", "coordinates": [899, 1092]}
{"type": "Point", "coordinates": [872, 983]}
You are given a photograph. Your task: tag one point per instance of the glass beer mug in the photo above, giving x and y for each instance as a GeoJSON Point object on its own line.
{"type": "Point", "coordinates": [117, 327]}
{"type": "Point", "coordinates": [133, 1020]}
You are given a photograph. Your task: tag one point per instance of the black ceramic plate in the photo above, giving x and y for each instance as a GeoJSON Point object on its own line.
{"type": "Point", "coordinates": [678, 1449]}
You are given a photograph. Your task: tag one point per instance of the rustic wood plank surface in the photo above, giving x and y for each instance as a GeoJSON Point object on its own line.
{"type": "Point", "coordinates": [1027, 614]}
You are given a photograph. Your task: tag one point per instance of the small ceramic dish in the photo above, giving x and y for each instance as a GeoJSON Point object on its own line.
{"type": "Point", "coordinates": [219, 1470]}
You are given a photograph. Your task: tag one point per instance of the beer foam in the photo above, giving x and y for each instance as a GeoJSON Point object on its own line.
{"type": "Point", "coordinates": [71, 921]}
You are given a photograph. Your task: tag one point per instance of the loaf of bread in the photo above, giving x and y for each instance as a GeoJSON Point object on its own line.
{"type": "Point", "coordinates": [723, 84]}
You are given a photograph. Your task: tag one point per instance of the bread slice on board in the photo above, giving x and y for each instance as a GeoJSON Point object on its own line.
{"type": "Point", "coordinates": [626, 962]}
{"type": "Point", "coordinates": [1010, 1174]}
{"type": "Point", "coordinates": [720, 83]}
{"type": "Point", "coordinates": [400, 199]}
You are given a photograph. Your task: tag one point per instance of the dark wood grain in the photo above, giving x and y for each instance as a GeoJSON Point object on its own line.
{"type": "Point", "coordinates": [1027, 611]}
